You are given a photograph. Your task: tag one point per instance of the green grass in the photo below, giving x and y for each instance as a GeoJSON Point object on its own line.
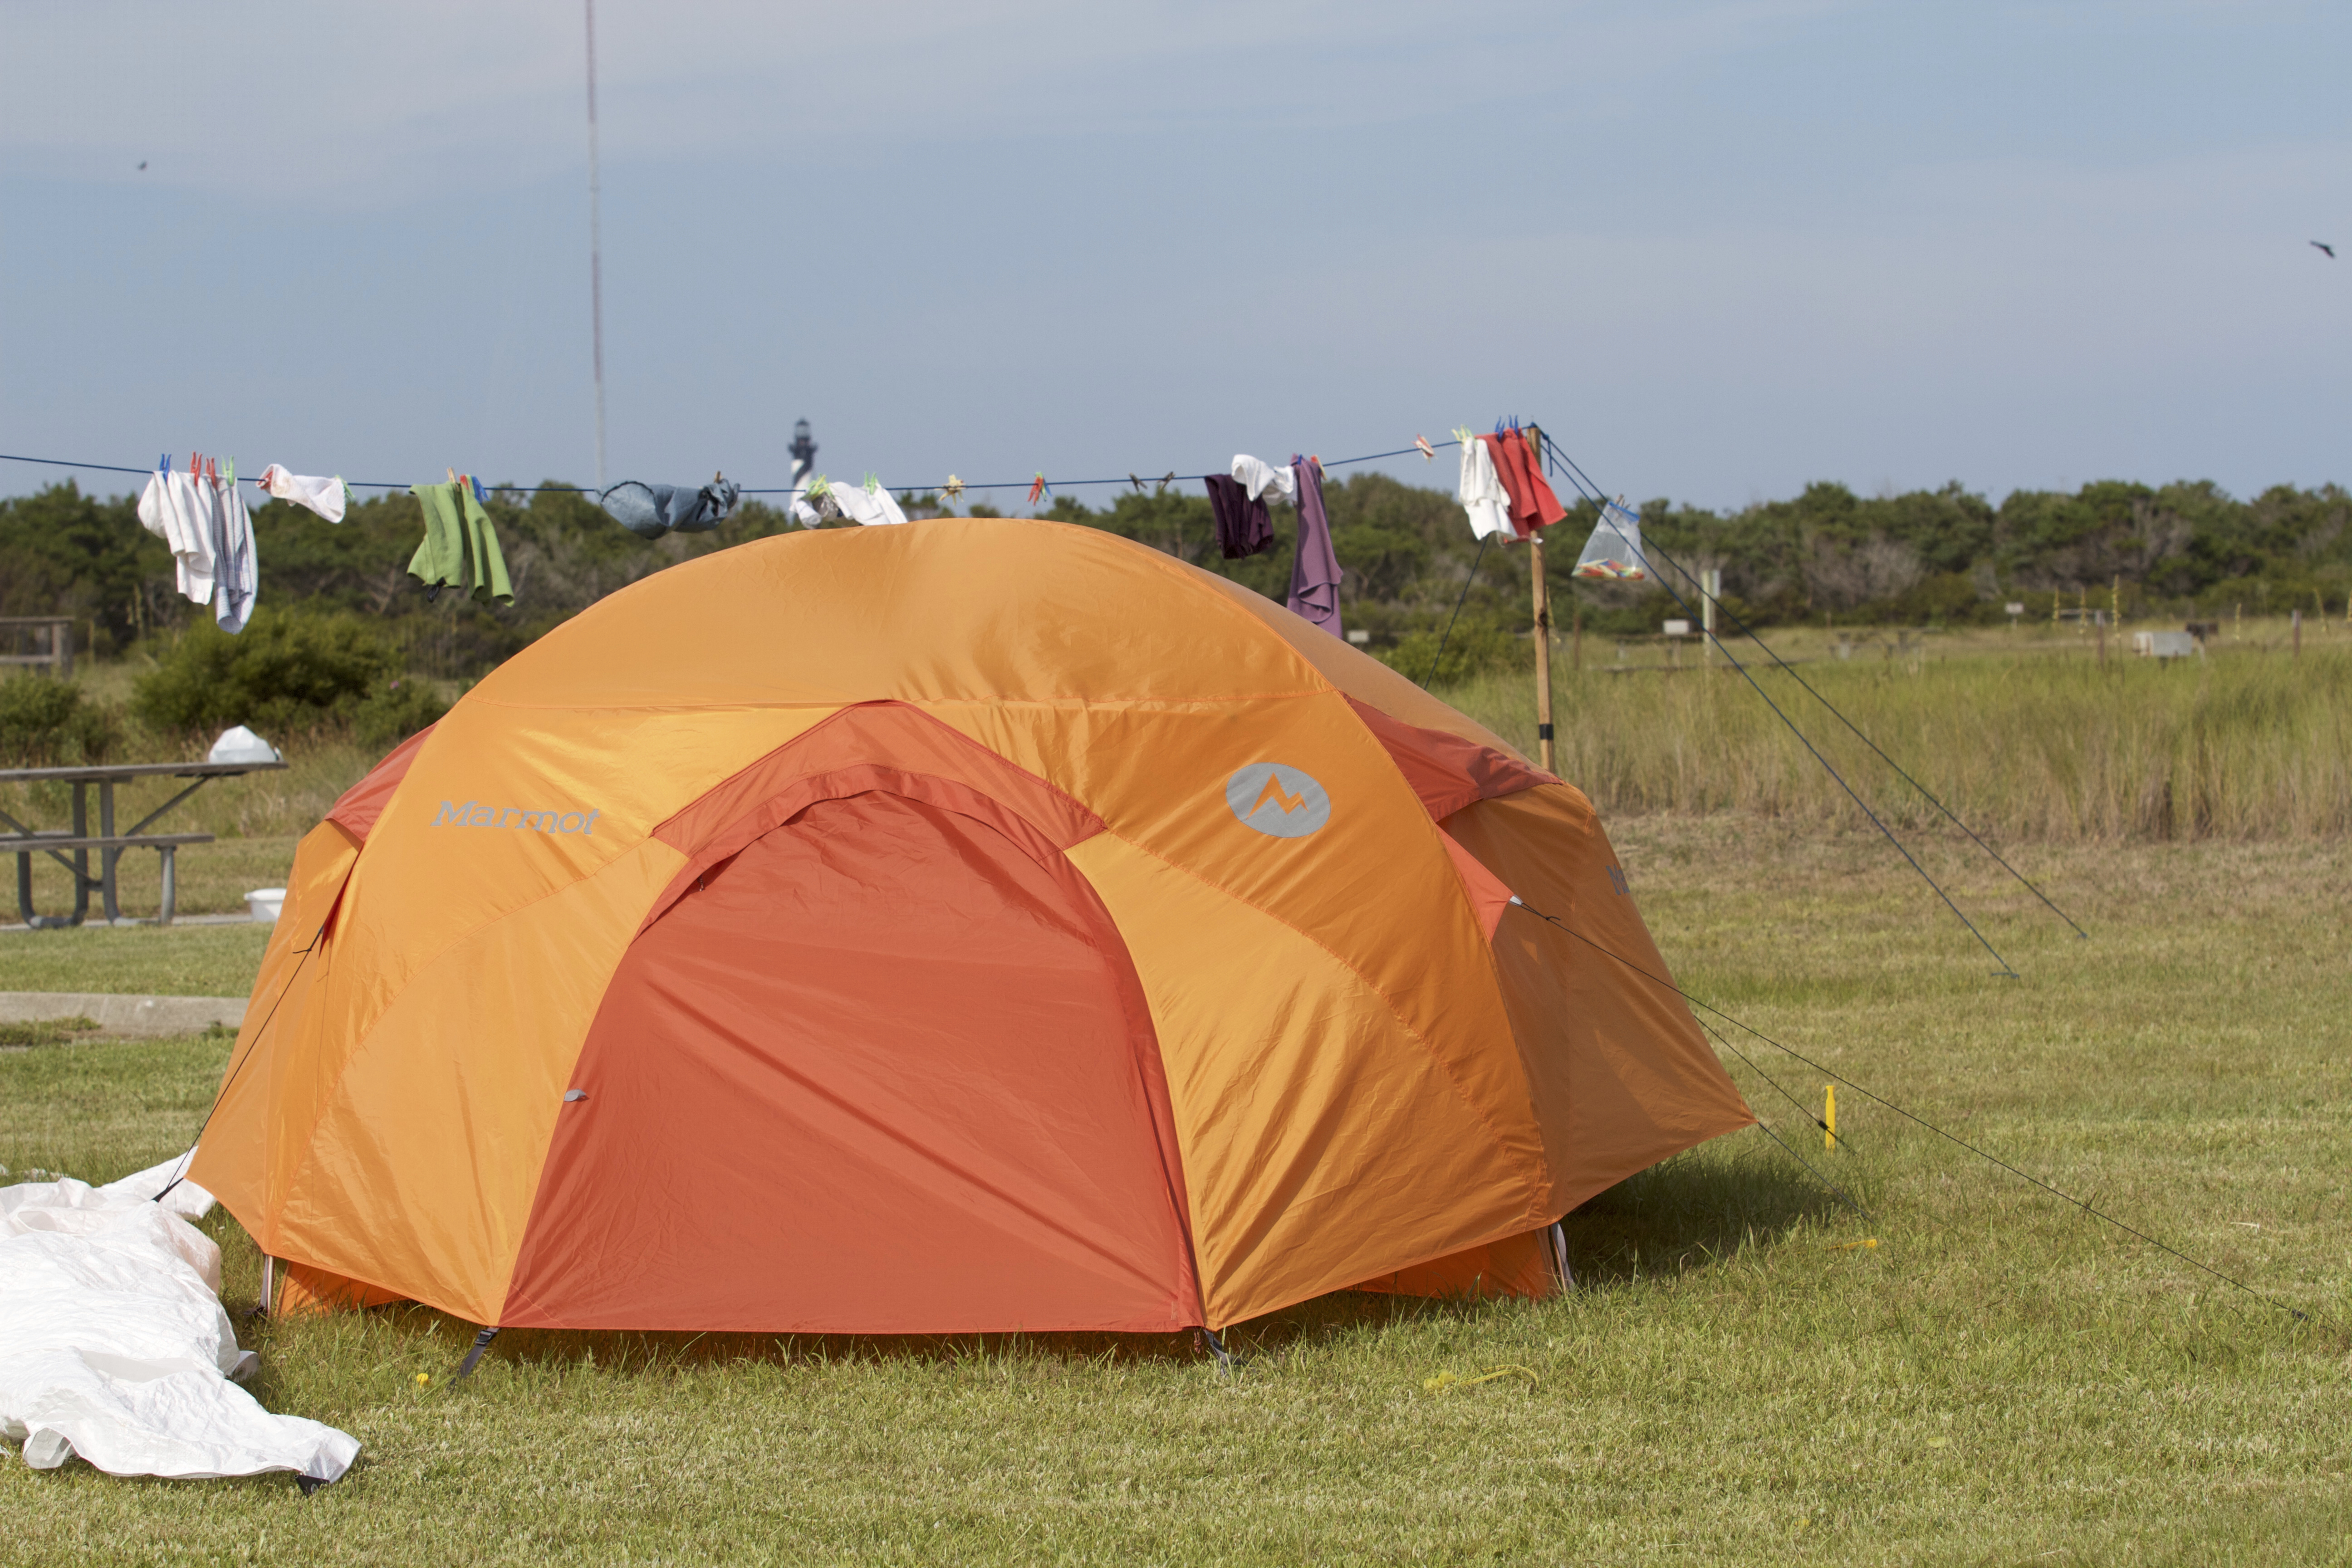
{"type": "Point", "coordinates": [1999, 1380]}
{"type": "Point", "coordinates": [134, 961]}
{"type": "Point", "coordinates": [2030, 739]}
{"type": "Point", "coordinates": [45, 1032]}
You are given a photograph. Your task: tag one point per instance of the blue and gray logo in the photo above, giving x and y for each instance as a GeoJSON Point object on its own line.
{"type": "Point", "coordinates": [1279, 802]}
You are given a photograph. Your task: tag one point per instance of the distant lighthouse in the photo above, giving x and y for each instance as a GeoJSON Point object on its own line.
{"type": "Point", "coordinates": [803, 452]}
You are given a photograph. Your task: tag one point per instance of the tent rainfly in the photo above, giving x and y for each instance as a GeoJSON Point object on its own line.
{"type": "Point", "coordinates": [987, 924]}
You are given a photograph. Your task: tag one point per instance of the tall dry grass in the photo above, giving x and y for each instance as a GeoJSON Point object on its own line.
{"type": "Point", "coordinates": [2245, 743]}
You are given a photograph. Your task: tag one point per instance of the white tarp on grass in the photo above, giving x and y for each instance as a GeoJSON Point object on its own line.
{"type": "Point", "coordinates": [114, 1345]}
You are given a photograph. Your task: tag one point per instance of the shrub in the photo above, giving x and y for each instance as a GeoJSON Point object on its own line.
{"type": "Point", "coordinates": [287, 672]}
{"type": "Point", "coordinates": [1477, 645]}
{"type": "Point", "coordinates": [396, 711]}
{"type": "Point", "coordinates": [46, 722]}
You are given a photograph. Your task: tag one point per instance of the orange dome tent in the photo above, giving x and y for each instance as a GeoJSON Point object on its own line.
{"type": "Point", "coordinates": [980, 924]}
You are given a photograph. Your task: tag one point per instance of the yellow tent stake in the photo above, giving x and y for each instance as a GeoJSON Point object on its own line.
{"type": "Point", "coordinates": [1829, 1116]}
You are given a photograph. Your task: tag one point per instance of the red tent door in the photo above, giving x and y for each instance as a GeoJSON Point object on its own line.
{"type": "Point", "coordinates": [882, 1071]}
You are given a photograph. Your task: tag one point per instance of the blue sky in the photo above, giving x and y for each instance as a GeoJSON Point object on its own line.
{"type": "Point", "coordinates": [1719, 249]}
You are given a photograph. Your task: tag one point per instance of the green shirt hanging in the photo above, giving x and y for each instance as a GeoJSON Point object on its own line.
{"type": "Point", "coordinates": [460, 540]}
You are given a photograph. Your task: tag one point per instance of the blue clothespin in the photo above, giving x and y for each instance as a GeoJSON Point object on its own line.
{"type": "Point", "coordinates": [481, 494]}
{"type": "Point", "coordinates": [163, 463]}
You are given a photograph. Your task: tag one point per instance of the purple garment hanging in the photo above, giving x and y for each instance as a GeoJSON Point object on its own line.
{"type": "Point", "coordinates": [1242, 526]}
{"type": "Point", "coordinates": [1315, 572]}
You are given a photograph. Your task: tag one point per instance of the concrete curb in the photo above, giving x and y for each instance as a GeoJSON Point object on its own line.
{"type": "Point", "coordinates": [124, 1015]}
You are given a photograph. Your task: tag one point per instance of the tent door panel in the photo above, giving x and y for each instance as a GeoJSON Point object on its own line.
{"type": "Point", "coordinates": [876, 1073]}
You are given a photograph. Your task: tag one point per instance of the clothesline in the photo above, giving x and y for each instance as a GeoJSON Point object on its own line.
{"type": "Point", "coordinates": [776, 489]}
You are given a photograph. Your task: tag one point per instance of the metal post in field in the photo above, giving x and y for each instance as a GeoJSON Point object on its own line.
{"type": "Point", "coordinates": [1710, 588]}
{"type": "Point", "coordinates": [595, 248]}
{"type": "Point", "coordinates": [2295, 621]}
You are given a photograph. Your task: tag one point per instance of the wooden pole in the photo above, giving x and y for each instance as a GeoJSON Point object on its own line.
{"type": "Point", "coordinates": [1543, 648]}
{"type": "Point", "coordinates": [1542, 591]}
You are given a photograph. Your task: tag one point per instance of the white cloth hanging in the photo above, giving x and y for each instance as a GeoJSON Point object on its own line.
{"type": "Point", "coordinates": [114, 1345]}
{"type": "Point", "coordinates": [1257, 478]}
{"type": "Point", "coordinates": [323, 496]}
{"type": "Point", "coordinates": [1482, 493]}
{"type": "Point", "coordinates": [872, 507]}
{"type": "Point", "coordinates": [176, 509]}
{"type": "Point", "coordinates": [236, 574]}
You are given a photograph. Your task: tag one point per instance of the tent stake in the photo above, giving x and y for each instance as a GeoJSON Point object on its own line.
{"type": "Point", "coordinates": [481, 1342]}
{"type": "Point", "coordinates": [1217, 1348]}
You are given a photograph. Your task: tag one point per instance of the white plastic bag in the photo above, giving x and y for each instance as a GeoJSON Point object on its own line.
{"type": "Point", "coordinates": [1613, 553]}
{"type": "Point", "coordinates": [242, 745]}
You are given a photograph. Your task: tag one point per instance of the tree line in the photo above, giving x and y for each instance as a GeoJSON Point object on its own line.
{"type": "Point", "coordinates": [1946, 556]}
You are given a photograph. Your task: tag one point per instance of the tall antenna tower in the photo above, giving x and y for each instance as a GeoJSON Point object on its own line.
{"type": "Point", "coordinates": [595, 248]}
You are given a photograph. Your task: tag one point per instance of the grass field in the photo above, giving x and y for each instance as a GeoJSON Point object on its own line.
{"type": "Point", "coordinates": [1997, 1381]}
{"type": "Point", "coordinates": [2026, 735]}
{"type": "Point", "coordinates": [2030, 738]}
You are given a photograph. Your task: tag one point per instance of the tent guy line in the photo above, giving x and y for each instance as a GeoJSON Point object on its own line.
{"type": "Point", "coordinates": [2299, 1314]}
{"type": "Point", "coordinates": [2007, 971]}
{"type": "Point", "coordinates": [303, 957]}
{"type": "Point", "coordinates": [1844, 1196]}
{"type": "Point", "coordinates": [1751, 634]}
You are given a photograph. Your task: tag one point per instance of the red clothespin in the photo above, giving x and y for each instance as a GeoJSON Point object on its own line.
{"type": "Point", "coordinates": [1428, 453]}
{"type": "Point", "coordinates": [1039, 486]}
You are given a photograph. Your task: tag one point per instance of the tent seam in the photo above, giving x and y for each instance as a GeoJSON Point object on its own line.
{"type": "Point", "coordinates": [1388, 1002]}
{"type": "Point", "coordinates": [311, 1139]}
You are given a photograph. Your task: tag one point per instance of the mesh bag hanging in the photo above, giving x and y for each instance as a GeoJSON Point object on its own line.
{"type": "Point", "coordinates": [1613, 553]}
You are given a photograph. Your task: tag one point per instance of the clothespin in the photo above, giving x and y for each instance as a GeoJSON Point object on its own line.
{"type": "Point", "coordinates": [1135, 483]}
{"type": "Point", "coordinates": [1461, 433]}
{"type": "Point", "coordinates": [212, 471]}
{"type": "Point", "coordinates": [163, 463]}
{"type": "Point", "coordinates": [232, 473]}
{"type": "Point", "coordinates": [1428, 452]}
{"type": "Point", "coordinates": [1165, 480]}
{"type": "Point", "coordinates": [817, 487]}
{"type": "Point", "coordinates": [452, 473]}
{"type": "Point", "coordinates": [873, 485]}
{"type": "Point", "coordinates": [952, 489]}
{"type": "Point", "coordinates": [1038, 487]}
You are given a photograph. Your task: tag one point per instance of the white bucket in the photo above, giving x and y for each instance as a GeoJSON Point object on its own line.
{"type": "Point", "coordinates": [265, 903]}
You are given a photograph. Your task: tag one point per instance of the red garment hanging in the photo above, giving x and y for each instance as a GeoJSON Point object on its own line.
{"type": "Point", "coordinates": [1533, 505]}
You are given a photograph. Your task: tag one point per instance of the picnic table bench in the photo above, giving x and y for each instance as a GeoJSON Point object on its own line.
{"type": "Point", "coordinates": [77, 841]}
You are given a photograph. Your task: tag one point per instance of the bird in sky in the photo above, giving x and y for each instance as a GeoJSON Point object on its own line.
{"type": "Point", "coordinates": [143, 162]}
{"type": "Point", "coordinates": [2316, 245]}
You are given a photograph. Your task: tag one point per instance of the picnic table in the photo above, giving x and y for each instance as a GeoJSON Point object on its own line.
{"type": "Point", "coordinates": [78, 840]}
